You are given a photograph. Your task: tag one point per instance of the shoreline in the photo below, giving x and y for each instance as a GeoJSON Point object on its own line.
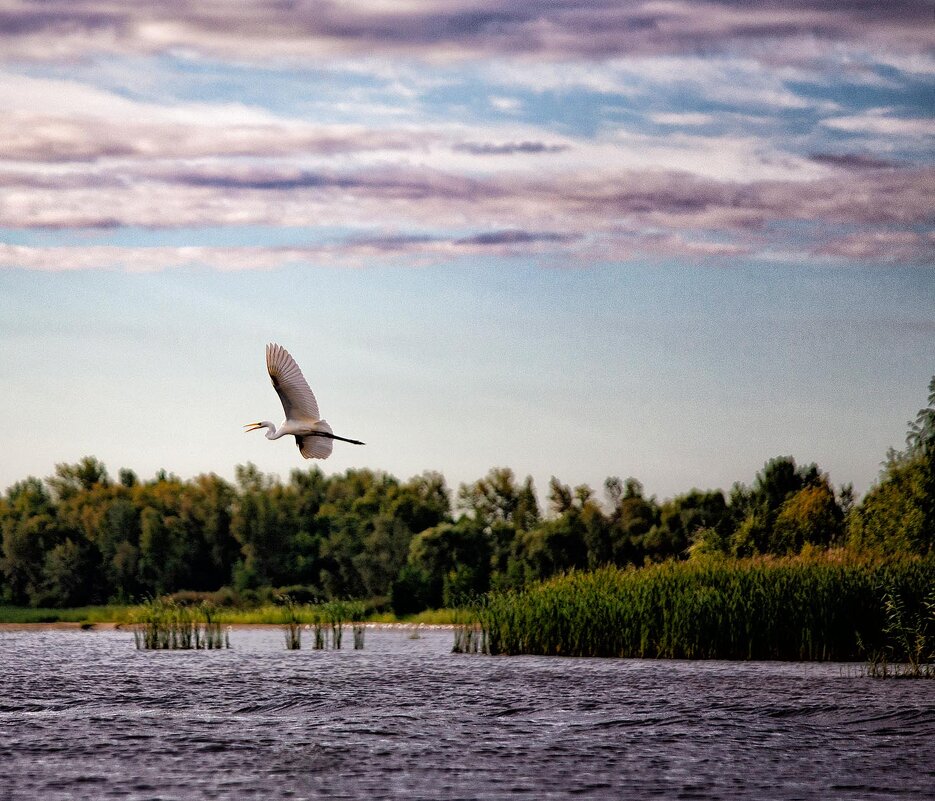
{"type": "Point", "coordinates": [111, 626]}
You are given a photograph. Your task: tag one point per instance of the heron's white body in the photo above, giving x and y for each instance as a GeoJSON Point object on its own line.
{"type": "Point", "coordinates": [303, 421]}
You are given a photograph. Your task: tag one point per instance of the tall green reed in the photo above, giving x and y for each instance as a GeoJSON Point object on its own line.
{"type": "Point", "coordinates": [910, 633]}
{"type": "Point", "coordinates": [356, 612]}
{"type": "Point", "coordinates": [791, 609]}
{"type": "Point", "coordinates": [159, 624]}
{"type": "Point", "coordinates": [293, 625]}
{"type": "Point", "coordinates": [326, 621]}
{"type": "Point", "coordinates": [470, 637]}
{"type": "Point", "coordinates": [336, 612]}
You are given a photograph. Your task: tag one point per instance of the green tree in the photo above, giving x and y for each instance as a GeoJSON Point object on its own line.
{"type": "Point", "coordinates": [679, 520]}
{"type": "Point", "coordinates": [632, 518]}
{"type": "Point", "coordinates": [206, 506]}
{"type": "Point", "coordinates": [260, 523]}
{"type": "Point", "coordinates": [65, 576]}
{"type": "Point", "coordinates": [446, 563]}
{"type": "Point", "coordinates": [354, 502]}
{"type": "Point", "coordinates": [898, 513]}
{"type": "Point", "coordinates": [754, 510]}
{"type": "Point", "coordinates": [414, 590]}
{"type": "Point", "coordinates": [414, 506]}
{"type": "Point", "coordinates": [920, 439]}
{"type": "Point", "coordinates": [810, 516]}
{"type": "Point", "coordinates": [167, 551]}
{"type": "Point", "coordinates": [118, 542]}
{"type": "Point", "coordinates": [71, 479]}
{"type": "Point", "coordinates": [29, 530]}
{"type": "Point", "coordinates": [504, 510]}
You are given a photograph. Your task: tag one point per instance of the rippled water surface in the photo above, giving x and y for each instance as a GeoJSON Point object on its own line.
{"type": "Point", "coordinates": [85, 715]}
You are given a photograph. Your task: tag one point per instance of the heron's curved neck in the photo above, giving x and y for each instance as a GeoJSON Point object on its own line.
{"type": "Point", "coordinates": [273, 432]}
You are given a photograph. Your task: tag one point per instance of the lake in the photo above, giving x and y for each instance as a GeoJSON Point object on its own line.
{"type": "Point", "coordinates": [84, 715]}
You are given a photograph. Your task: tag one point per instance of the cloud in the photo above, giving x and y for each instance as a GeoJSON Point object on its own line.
{"type": "Point", "coordinates": [507, 105]}
{"type": "Point", "coordinates": [49, 137]}
{"type": "Point", "coordinates": [606, 214]}
{"type": "Point", "coordinates": [887, 247]}
{"type": "Point", "coordinates": [755, 154]}
{"type": "Point", "coordinates": [508, 148]}
{"type": "Point", "coordinates": [452, 29]}
{"type": "Point", "coordinates": [681, 119]}
{"type": "Point", "coordinates": [63, 121]}
{"type": "Point", "coordinates": [356, 252]}
{"type": "Point", "coordinates": [514, 237]}
{"type": "Point", "coordinates": [130, 192]}
{"type": "Point", "coordinates": [881, 121]}
{"type": "Point", "coordinates": [854, 161]}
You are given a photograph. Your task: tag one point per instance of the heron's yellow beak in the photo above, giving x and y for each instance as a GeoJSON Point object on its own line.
{"type": "Point", "coordinates": [251, 427]}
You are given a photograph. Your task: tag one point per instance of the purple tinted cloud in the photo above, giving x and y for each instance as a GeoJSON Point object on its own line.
{"type": "Point", "coordinates": [42, 136]}
{"type": "Point", "coordinates": [508, 148]}
{"type": "Point", "coordinates": [881, 197]}
{"type": "Point", "coordinates": [620, 214]}
{"type": "Point", "coordinates": [609, 185]}
{"type": "Point", "coordinates": [449, 28]}
{"type": "Point", "coordinates": [854, 161]}
{"type": "Point", "coordinates": [516, 237]}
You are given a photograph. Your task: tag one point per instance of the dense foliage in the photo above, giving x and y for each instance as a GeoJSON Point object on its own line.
{"type": "Point", "coordinates": [80, 537]}
{"type": "Point", "coordinates": [821, 607]}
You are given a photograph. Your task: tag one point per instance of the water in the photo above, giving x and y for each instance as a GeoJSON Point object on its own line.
{"type": "Point", "coordinates": [83, 715]}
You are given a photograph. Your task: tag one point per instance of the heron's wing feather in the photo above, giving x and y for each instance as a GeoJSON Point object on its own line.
{"type": "Point", "coordinates": [298, 402]}
{"type": "Point", "coordinates": [312, 447]}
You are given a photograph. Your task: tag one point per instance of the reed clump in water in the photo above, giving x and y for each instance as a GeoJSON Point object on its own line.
{"type": "Point", "coordinates": [335, 613]}
{"type": "Point", "coordinates": [910, 633]}
{"type": "Point", "coordinates": [824, 608]}
{"type": "Point", "coordinates": [167, 625]}
{"type": "Point", "coordinates": [293, 625]}
{"type": "Point", "coordinates": [319, 628]}
{"type": "Point", "coordinates": [356, 611]}
{"type": "Point", "coordinates": [469, 635]}
{"type": "Point", "coordinates": [326, 622]}
{"type": "Point", "coordinates": [210, 636]}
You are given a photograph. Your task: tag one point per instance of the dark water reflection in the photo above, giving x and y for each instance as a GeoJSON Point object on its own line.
{"type": "Point", "coordinates": [85, 715]}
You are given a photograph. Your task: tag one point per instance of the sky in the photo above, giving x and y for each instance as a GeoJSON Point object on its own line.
{"type": "Point", "coordinates": [667, 240]}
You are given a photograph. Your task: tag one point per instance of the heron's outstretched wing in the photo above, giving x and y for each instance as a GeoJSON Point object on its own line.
{"type": "Point", "coordinates": [298, 402]}
{"type": "Point", "coordinates": [312, 447]}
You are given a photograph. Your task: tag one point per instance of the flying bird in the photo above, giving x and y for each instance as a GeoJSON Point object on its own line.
{"type": "Point", "coordinates": [312, 434]}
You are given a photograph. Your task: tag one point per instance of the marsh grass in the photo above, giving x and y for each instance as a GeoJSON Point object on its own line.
{"type": "Point", "coordinates": [209, 635]}
{"type": "Point", "coordinates": [266, 614]}
{"type": "Point", "coordinates": [356, 612]}
{"type": "Point", "coordinates": [819, 608]}
{"type": "Point", "coordinates": [910, 635]}
{"type": "Point", "coordinates": [115, 613]}
{"type": "Point", "coordinates": [469, 635]}
{"type": "Point", "coordinates": [326, 622]}
{"type": "Point", "coordinates": [166, 625]}
{"type": "Point", "coordinates": [293, 625]}
{"type": "Point", "coordinates": [335, 614]}
{"type": "Point", "coordinates": [320, 629]}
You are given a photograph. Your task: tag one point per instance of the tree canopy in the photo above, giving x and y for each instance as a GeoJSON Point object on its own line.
{"type": "Point", "coordinates": [79, 537]}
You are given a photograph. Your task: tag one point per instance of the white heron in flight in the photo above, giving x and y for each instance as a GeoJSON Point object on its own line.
{"type": "Point", "coordinates": [312, 434]}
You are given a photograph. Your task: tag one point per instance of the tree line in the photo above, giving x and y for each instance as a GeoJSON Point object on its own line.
{"type": "Point", "coordinates": [81, 537]}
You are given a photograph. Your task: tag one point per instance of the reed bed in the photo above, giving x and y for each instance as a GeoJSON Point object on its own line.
{"type": "Point", "coordinates": [910, 633]}
{"type": "Point", "coordinates": [832, 608]}
{"type": "Point", "coordinates": [326, 621]}
{"type": "Point", "coordinates": [336, 612]}
{"type": "Point", "coordinates": [166, 625]}
{"type": "Point", "coordinates": [469, 635]}
{"type": "Point", "coordinates": [293, 627]}
{"type": "Point", "coordinates": [356, 612]}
